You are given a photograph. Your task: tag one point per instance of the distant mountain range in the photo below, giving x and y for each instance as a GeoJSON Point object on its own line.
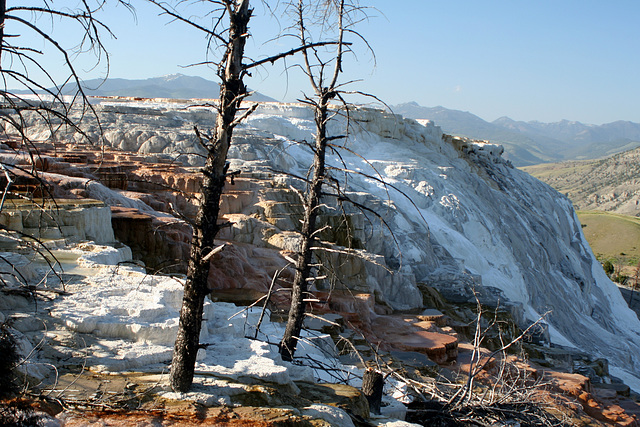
{"type": "Point", "coordinates": [529, 143]}
{"type": "Point", "coordinates": [176, 86]}
{"type": "Point", "coordinates": [526, 143]}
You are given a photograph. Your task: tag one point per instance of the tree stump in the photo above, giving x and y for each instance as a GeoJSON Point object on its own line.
{"type": "Point", "coordinates": [372, 383]}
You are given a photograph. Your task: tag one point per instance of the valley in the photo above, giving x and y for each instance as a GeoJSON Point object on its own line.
{"type": "Point", "coordinates": [609, 184]}
{"type": "Point", "coordinates": [606, 193]}
{"type": "Point", "coordinates": [612, 236]}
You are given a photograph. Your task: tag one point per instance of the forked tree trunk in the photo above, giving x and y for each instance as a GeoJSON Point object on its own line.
{"type": "Point", "coordinates": [303, 263]}
{"type": "Point", "coordinates": [232, 90]}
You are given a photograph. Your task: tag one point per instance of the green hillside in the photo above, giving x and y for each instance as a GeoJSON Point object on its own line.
{"type": "Point", "coordinates": [611, 184]}
{"type": "Point", "coordinates": [612, 236]}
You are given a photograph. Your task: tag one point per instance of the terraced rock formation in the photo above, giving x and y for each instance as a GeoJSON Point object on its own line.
{"type": "Point", "coordinates": [457, 219]}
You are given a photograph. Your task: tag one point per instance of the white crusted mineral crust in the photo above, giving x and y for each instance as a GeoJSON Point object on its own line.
{"type": "Point", "coordinates": [472, 219]}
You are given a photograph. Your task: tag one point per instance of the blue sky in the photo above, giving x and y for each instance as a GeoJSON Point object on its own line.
{"type": "Point", "coordinates": [529, 60]}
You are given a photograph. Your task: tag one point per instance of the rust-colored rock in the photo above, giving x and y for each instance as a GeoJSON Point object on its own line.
{"type": "Point", "coordinates": [399, 333]}
{"type": "Point", "coordinates": [161, 243]}
{"type": "Point", "coordinates": [223, 416]}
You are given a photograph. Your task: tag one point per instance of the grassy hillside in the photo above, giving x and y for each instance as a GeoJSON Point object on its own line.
{"type": "Point", "coordinates": [611, 184]}
{"type": "Point", "coordinates": [612, 236]}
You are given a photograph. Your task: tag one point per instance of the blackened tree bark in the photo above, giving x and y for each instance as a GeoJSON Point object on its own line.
{"type": "Point", "coordinates": [231, 72]}
{"type": "Point", "coordinates": [303, 263]}
{"type": "Point", "coordinates": [372, 387]}
{"type": "Point", "coordinates": [232, 91]}
{"type": "Point", "coordinates": [326, 89]}
{"type": "Point", "coordinates": [3, 11]}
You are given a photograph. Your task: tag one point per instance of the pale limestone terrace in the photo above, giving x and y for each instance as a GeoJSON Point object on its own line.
{"type": "Point", "coordinates": [473, 219]}
{"type": "Point", "coordinates": [82, 220]}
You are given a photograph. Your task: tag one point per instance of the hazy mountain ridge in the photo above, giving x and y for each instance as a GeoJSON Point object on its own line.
{"type": "Point", "coordinates": [176, 86]}
{"type": "Point", "coordinates": [528, 143]}
{"type": "Point", "coordinates": [525, 143]}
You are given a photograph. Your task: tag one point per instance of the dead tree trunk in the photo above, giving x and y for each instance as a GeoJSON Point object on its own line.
{"type": "Point", "coordinates": [372, 386]}
{"type": "Point", "coordinates": [232, 91]}
{"type": "Point", "coordinates": [303, 263]}
{"type": "Point", "coordinates": [231, 71]}
{"type": "Point", "coordinates": [3, 11]}
{"type": "Point", "coordinates": [326, 89]}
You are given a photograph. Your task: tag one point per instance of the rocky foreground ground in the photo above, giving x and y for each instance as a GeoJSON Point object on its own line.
{"type": "Point", "coordinates": [429, 351]}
